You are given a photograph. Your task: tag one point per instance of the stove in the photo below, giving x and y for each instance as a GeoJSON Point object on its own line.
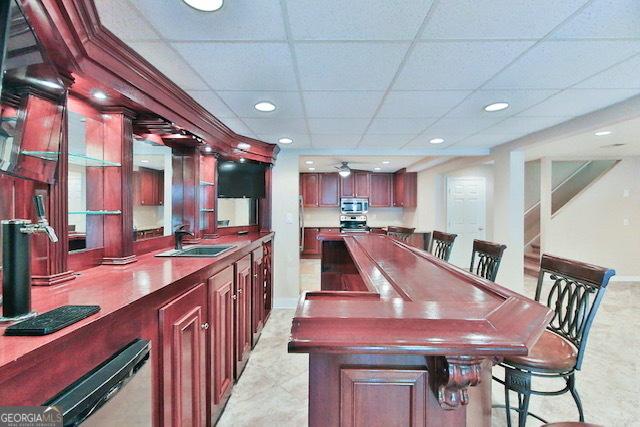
{"type": "Point", "coordinates": [353, 224]}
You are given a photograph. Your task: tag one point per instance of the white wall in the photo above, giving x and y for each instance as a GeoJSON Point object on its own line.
{"type": "Point", "coordinates": [285, 224]}
{"type": "Point", "coordinates": [592, 228]}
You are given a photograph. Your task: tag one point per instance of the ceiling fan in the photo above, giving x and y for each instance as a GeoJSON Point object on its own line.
{"type": "Point", "coordinates": [344, 170]}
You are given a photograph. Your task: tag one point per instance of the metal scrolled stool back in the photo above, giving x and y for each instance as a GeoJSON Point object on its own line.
{"type": "Point", "coordinates": [442, 244]}
{"type": "Point", "coordinates": [485, 259]}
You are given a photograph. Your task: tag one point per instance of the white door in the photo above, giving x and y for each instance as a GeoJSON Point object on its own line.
{"type": "Point", "coordinates": [466, 207]}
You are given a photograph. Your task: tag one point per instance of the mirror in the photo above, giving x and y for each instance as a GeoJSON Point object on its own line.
{"type": "Point", "coordinates": [31, 110]}
{"type": "Point", "coordinates": [152, 179]}
{"type": "Point", "coordinates": [237, 212]}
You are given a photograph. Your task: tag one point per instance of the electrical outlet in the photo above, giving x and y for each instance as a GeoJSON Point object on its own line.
{"type": "Point", "coordinates": [625, 221]}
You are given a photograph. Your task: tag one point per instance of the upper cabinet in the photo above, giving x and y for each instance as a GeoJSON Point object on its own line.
{"type": "Point", "coordinates": [381, 190]}
{"type": "Point", "coordinates": [320, 189]}
{"type": "Point", "coordinates": [362, 184]}
{"type": "Point", "coordinates": [405, 189]}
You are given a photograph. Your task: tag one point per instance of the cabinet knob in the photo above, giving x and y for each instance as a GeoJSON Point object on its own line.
{"type": "Point", "coordinates": [239, 291]}
{"type": "Point", "coordinates": [204, 326]}
{"type": "Point", "coordinates": [255, 275]}
{"type": "Point", "coordinates": [234, 297]}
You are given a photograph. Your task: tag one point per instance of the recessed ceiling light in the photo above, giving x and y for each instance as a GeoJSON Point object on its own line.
{"type": "Point", "coordinates": [496, 106]}
{"type": "Point", "coordinates": [265, 106]}
{"type": "Point", "coordinates": [436, 141]}
{"type": "Point", "coordinates": [205, 5]}
{"type": "Point", "coordinates": [285, 140]}
{"type": "Point", "coordinates": [208, 149]}
{"type": "Point", "coordinates": [308, 162]}
{"type": "Point", "coordinates": [242, 160]}
{"type": "Point", "coordinates": [603, 133]}
{"type": "Point", "coordinates": [312, 169]}
{"type": "Point", "coordinates": [144, 161]}
{"type": "Point", "coordinates": [385, 162]}
{"type": "Point", "coordinates": [98, 94]}
{"type": "Point", "coordinates": [244, 146]}
{"type": "Point", "coordinates": [376, 169]}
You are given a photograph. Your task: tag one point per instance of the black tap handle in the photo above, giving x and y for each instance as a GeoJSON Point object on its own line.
{"type": "Point", "coordinates": [39, 202]}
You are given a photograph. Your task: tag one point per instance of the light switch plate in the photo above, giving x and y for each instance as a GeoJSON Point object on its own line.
{"type": "Point", "coordinates": [625, 221]}
{"type": "Point", "coordinates": [288, 218]}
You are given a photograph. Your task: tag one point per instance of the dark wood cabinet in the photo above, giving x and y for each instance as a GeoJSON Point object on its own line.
{"type": "Point", "coordinates": [149, 187]}
{"type": "Point", "coordinates": [242, 328]}
{"type": "Point", "coordinates": [309, 189]}
{"type": "Point", "coordinates": [405, 189]}
{"type": "Point", "coordinates": [258, 294]}
{"type": "Point", "coordinates": [362, 183]}
{"type": "Point", "coordinates": [183, 358]}
{"type": "Point", "coordinates": [311, 245]}
{"type": "Point", "coordinates": [347, 186]}
{"type": "Point", "coordinates": [220, 340]}
{"type": "Point", "coordinates": [329, 190]}
{"type": "Point", "coordinates": [381, 190]}
{"type": "Point", "coordinates": [268, 279]}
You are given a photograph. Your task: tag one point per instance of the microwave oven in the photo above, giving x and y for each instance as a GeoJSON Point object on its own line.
{"type": "Point", "coordinates": [354, 206]}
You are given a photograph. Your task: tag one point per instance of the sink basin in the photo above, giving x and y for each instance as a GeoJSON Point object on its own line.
{"type": "Point", "coordinates": [201, 251]}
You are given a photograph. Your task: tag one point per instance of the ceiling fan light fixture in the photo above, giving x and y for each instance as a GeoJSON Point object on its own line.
{"type": "Point", "coordinates": [344, 170]}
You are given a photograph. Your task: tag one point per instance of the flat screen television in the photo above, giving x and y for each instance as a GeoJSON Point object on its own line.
{"type": "Point", "coordinates": [238, 180]}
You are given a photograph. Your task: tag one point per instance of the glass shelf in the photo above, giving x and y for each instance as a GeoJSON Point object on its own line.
{"type": "Point", "coordinates": [8, 119]}
{"type": "Point", "coordinates": [207, 183]}
{"type": "Point", "coordinates": [95, 213]}
{"type": "Point", "coordinates": [74, 159]}
{"type": "Point", "coordinates": [207, 210]}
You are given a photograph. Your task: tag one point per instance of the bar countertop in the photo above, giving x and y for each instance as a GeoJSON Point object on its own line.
{"type": "Point", "coordinates": [414, 303]}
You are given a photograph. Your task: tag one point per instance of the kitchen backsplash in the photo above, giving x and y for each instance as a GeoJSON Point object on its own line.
{"type": "Point", "coordinates": [330, 217]}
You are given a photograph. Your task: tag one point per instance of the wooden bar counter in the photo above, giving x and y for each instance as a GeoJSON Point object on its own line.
{"type": "Point", "coordinates": [399, 337]}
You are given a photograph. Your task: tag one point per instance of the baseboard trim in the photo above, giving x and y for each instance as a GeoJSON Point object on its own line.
{"type": "Point", "coordinates": [285, 302]}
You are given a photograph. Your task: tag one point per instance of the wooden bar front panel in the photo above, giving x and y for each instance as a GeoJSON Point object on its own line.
{"type": "Point", "coordinates": [243, 334]}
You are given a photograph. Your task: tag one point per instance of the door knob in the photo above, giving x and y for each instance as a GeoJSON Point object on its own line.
{"type": "Point", "coordinates": [480, 228]}
{"type": "Point", "coordinates": [204, 326]}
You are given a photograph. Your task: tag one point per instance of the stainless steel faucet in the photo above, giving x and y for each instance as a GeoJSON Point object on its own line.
{"type": "Point", "coordinates": [16, 262]}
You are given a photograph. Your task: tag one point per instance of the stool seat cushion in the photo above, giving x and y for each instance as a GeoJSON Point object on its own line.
{"type": "Point", "coordinates": [551, 352]}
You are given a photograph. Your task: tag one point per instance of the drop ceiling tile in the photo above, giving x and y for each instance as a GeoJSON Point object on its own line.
{"type": "Point", "coordinates": [347, 104]}
{"type": "Point", "coordinates": [356, 19]}
{"type": "Point", "coordinates": [348, 66]}
{"type": "Point", "coordinates": [604, 19]}
{"type": "Point", "coordinates": [160, 55]}
{"type": "Point", "coordinates": [238, 126]}
{"type": "Point", "coordinates": [456, 65]}
{"type": "Point", "coordinates": [622, 76]}
{"type": "Point", "coordinates": [123, 20]}
{"type": "Point", "coordinates": [422, 141]}
{"type": "Point", "coordinates": [237, 20]}
{"type": "Point", "coordinates": [287, 104]}
{"type": "Point", "coordinates": [459, 126]}
{"type": "Point", "coordinates": [390, 126]}
{"type": "Point", "coordinates": [484, 141]}
{"type": "Point", "coordinates": [241, 66]}
{"type": "Point", "coordinates": [212, 102]}
{"type": "Point", "coordinates": [386, 141]}
{"type": "Point", "coordinates": [276, 126]}
{"type": "Point", "coordinates": [299, 140]}
{"type": "Point", "coordinates": [414, 104]}
{"type": "Point", "coordinates": [575, 102]}
{"type": "Point", "coordinates": [559, 64]}
{"type": "Point", "coordinates": [518, 100]}
{"type": "Point", "coordinates": [335, 141]}
{"type": "Point", "coordinates": [524, 125]}
{"type": "Point", "coordinates": [337, 126]}
{"type": "Point", "coordinates": [497, 19]}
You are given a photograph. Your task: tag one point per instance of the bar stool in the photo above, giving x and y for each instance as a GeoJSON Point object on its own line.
{"type": "Point", "coordinates": [488, 255]}
{"type": "Point", "coordinates": [441, 244]}
{"type": "Point", "coordinates": [400, 233]}
{"type": "Point", "coordinates": [575, 292]}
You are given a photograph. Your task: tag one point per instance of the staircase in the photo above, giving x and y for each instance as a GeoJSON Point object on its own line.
{"type": "Point", "coordinates": [565, 191]}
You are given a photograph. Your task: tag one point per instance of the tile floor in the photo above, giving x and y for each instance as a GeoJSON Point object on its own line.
{"type": "Point", "coordinates": [273, 389]}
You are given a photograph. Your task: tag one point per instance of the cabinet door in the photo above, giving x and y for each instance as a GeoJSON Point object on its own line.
{"type": "Point", "coordinates": [311, 244]}
{"type": "Point", "coordinates": [362, 184]}
{"type": "Point", "coordinates": [309, 187]}
{"type": "Point", "coordinates": [411, 190]}
{"type": "Point", "coordinates": [257, 294]}
{"type": "Point", "coordinates": [268, 279]}
{"type": "Point", "coordinates": [329, 189]}
{"type": "Point", "coordinates": [347, 187]}
{"type": "Point", "coordinates": [243, 314]}
{"type": "Point", "coordinates": [159, 178]}
{"type": "Point", "coordinates": [146, 187]}
{"type": "Point", "coordinates": [381, 190]}
{"type": "Point", "coordinates": [398, 189]}
{"type": "Point", "coordinates": [221, 322]}
{"type": "Point", "coordinates": [183, 351]}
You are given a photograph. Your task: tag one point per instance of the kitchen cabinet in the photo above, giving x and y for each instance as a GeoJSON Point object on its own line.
{"type": "Point", "coordinates": [329, 185]}
{"type": "Point", "coordinates": [311, 245]}
{"type": "Point", "coordinates": [362, 183]}
{"type": "Point", "coordinates": [309, 189]}
{"type": "Point", "coordinates": [347, 186]}
{"type": "Point", "coordinates": [405, 189]}
{"type": "Point", "coordinates": [150, 187]}
{"type": "Point", "coordinates": [381, 190]}
{"type": "Point", "coordinates": [268, 279]}
{"type": "Point", "coordinates": [243, 307]}
{"type": "Point", "coordinates": [258, 292]}
{"type": "Point", "coordinates": [183, 358]}
{"type": "Point", "coordinates": [220, 340]}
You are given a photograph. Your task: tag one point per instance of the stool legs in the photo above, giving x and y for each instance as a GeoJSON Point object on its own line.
{"type": "Point", "coordinates": [571, 384]}
{"type": "Point", "coordinates": [520, 382]}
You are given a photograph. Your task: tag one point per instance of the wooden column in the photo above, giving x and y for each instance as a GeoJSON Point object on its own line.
{"type": "Point", "coordinates": [118, 186]}
{"type": "Point", "coordinates": [185, 194]}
